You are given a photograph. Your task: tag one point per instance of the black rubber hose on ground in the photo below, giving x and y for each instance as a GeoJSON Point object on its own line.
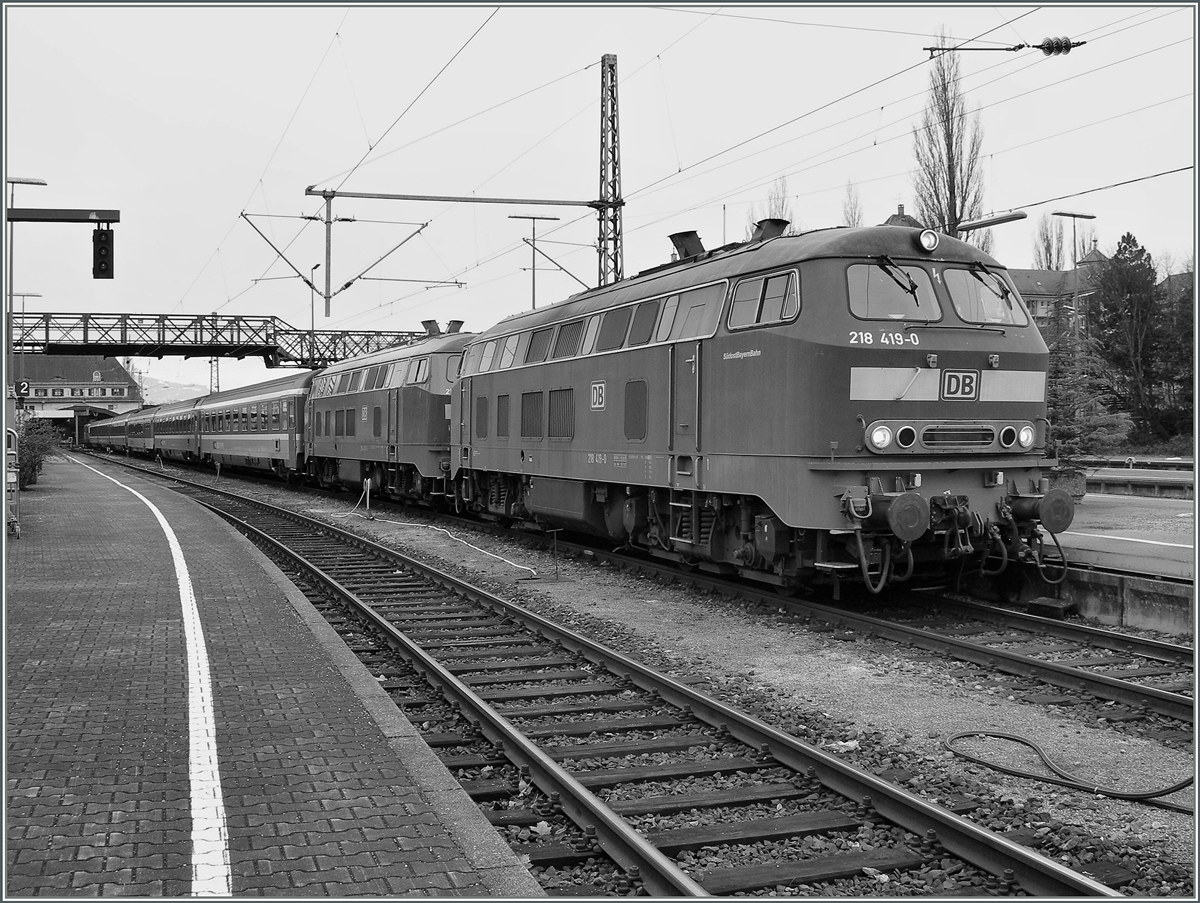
{"type": "Point", "coordinates": [1065, 778]}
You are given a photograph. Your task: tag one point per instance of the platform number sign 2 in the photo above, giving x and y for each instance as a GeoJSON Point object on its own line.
{"type": "Point", "coordinates": [598, 396]}
{"type": "Point", "coordinates": [22, 388]}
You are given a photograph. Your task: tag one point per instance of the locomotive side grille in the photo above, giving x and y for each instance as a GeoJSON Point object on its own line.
{"type": "Point", "coordinates": [562, 413]}
{"type": "Point", "coordinates": [531, 415]}
{"type": "Point", "coordinates": [964, 436]}
{"type": "Point", "coordinates": [502, 417]}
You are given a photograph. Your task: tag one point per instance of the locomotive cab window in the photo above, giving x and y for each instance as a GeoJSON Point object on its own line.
{"type": "Point", "coordinates": [768, 299]}
{"type": "Point", "coordinates": [420, 371]}
{"type": "Point", "coordinates": [885, 290]}
{"type": "Point", "coordinates": [984, 296]}
{"type": "Point", "coordinates": [485, 360]}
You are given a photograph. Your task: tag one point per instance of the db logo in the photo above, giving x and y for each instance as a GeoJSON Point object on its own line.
{"type": "Point", "coordinates": [960, 385]}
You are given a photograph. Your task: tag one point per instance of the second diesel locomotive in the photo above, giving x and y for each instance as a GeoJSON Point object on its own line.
{"type": "Point", "coordinates": [844, 404]}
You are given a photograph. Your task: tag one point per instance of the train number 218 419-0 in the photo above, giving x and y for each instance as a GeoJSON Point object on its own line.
{"type": "Point", "coordinates": [885, 338]}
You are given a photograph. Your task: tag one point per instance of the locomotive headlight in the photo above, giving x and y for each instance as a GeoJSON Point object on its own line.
{"type": "Point", "coordinates": [1025, 437]}
{"type": "Point", "coordinates": [927, 241]}
{"type": "Point", "coordinates": [881, 437]}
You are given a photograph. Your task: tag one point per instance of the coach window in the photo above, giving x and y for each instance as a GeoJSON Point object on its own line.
{"type": "Point", "coordinates": [328, 414]}
{"type": "Point", "coordinates": [567, 343]}
{"type": "Point", "coordinates": [643, 323]}
{"type": "Point", "coordinates": [882, 290]}
{"type": "Point", "coordinates": [485, 359]}
{"type": "Point", "coordinates": [245, 419]}
{"type": "Point", "coordinates": [351, 421]}
{"type": "Point", "coordinates": [377, 422]}
{"type": "Point", "coordinates": [254, 418]}
{"type": "Point", "coordinates": [539, 345]}
{"type": "Point", "coordinates": [612, 329]}
{"type": "Point", "coordinates": [355, 380]}
{"type": "Point", "coordinates": [339, 423]}
{"type": "Point", "coordinates": [589, 334]}
{"type": "Point", "coordinates": [509, 352]}
{"type": "Point", "coordinates": [667, 319]}
{"type": "Point", "coordinates": [343, 383]}
{"type": "Point", "coordinates": [275, 415]}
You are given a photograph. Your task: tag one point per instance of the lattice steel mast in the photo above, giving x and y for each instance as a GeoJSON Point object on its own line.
{"type": "Point", "coordinates": [610, 245]}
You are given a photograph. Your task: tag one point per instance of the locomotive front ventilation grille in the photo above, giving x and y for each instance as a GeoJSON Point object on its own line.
{"type": "Point", "coordinates": [945, 435]}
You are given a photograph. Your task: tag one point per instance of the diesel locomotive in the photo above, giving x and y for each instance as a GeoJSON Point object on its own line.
{"type": "Point", "coordinates": [844, 404]}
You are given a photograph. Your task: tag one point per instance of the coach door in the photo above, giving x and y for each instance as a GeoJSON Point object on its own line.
{"type": "Point", "coordinates": [685, 404]}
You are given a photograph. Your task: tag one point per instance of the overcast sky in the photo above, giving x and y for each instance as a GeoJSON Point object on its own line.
{"type": "Point", "coordinates": [184, 118]}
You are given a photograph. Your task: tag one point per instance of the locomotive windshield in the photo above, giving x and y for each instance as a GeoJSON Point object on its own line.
{"type": "Point", "coordinates": [981, 295]}
{"type": "Point", "coordinates": [885, 290]}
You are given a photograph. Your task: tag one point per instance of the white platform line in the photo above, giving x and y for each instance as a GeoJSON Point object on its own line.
{"type": "Point", "coordinates": [1149, 542]}
{"type": "Point", "coordinates": [210, 835]}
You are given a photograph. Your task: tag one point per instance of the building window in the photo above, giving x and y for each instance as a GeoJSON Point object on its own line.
{"type": "Point", "coordinates": [56, 393]}
{"type": "Point", "coordinates": [76, 392]}
{"type": "Point", "coordinates": [39, 393]}
{"type": "Point", "coordinates": [117, 392]}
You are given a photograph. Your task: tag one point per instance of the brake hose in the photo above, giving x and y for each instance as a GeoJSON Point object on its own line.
{"type": "Point", "coordinates": [1065, 778]}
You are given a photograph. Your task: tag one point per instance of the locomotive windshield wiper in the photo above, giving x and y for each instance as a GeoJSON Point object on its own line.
{"type": "Point", "coordinates": [889, 266]}
{"type": "Point", "coordinates": [1003, 293]}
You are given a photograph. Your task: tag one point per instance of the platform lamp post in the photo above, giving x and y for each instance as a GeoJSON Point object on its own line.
{"type": "Point", "coordinates": [10, 399]}
{"type": "Point", "coordinates": [1074, 262]}
{"type": "Point", "coordinates": [312, 310]}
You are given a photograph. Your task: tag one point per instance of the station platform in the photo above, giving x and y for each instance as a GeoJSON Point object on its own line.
{"type": "Point", "coordinates": [220, 742]}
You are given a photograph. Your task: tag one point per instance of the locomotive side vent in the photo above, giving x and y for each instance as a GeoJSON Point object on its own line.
{"type": "Point", "coordinates": [957, 436]}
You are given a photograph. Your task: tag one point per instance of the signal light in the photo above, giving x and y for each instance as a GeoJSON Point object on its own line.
{"type": "Point", "coordinates": [102, 253]}
{"type": "Point", "coordinates": [1055, 46]}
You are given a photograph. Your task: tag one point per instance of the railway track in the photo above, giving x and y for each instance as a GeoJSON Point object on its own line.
{"type": "Point", "coordinates": [581, 754]}
{"type": "Point", "coordinates": [1143, 676]}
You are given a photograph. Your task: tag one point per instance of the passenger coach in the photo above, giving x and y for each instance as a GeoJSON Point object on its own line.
{"type": "Point", "coordinates": [258, 427]}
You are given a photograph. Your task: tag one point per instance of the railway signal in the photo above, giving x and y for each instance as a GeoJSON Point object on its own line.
{"type": "Point", "coordinates": [102, 253]}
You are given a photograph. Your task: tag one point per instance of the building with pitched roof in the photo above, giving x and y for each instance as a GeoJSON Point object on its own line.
{"type": "Point", "coordinates": [73, 390]}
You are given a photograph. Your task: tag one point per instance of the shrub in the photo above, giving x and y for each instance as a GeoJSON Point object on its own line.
{"type": "Point", "coordinates": [37, 440]}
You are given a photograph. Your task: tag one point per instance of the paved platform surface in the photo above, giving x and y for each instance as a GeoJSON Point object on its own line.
{"type": "Point", "coordinates": [327, 789]}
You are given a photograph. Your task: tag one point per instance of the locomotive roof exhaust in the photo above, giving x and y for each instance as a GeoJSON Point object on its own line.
{"type": "Point", "coordinates": [687, 244]}
{"type": "Point", "coordinates": [766, 229]}
{"type": "Point", "coordinates": [453, 326]}
{"type": "Point", "coordinates": [431, 327]}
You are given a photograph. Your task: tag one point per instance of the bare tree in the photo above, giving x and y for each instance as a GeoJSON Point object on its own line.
{"type": "Point", "coordinates": [948, 146]}
{"type": "Point", "coordinates": [1048, 246]}
{"type": "Point", "coordinates": [852, 213]}
{"type": "Point", "coordinates": [779, 206]}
